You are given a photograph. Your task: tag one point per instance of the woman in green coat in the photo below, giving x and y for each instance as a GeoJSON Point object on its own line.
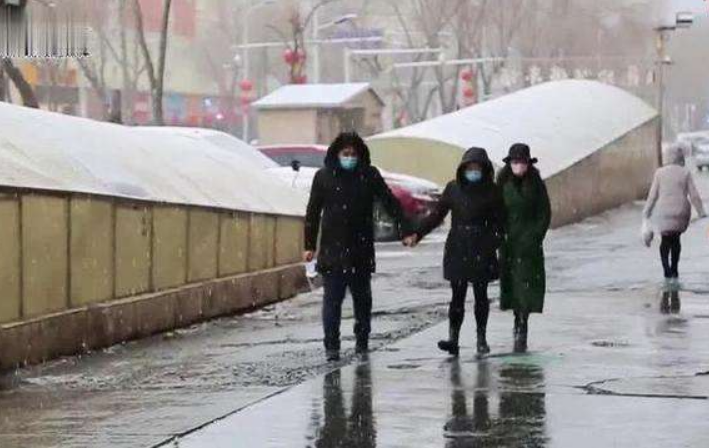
{"type": "Point", "coordinates": [522, 274]}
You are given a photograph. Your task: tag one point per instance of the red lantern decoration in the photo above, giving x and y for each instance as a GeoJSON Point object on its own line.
{"type": "Point", "coordinates": [246, 85]}
{"type": "Point", "coordinates": [245, 100]}
{"type": "Point", "coordinates": [467, 75]}
{"type": "Point", "coordinates": [289, 56]}
{"type": "Point", "coordinates": [468, 92]}
{"type": "Point", "coordinates": [300, 56]}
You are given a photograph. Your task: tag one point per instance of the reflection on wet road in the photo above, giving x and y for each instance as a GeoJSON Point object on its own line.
{"type": "Point", "coordinates": [610, 363]}
{"type": "Point", "coordinates": [336, 426]}
{"type": "Point", "coordinates": [520, 416]}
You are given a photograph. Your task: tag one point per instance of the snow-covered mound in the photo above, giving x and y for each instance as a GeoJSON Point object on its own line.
{"type": "Point", "coordinates": [50, 151]}
{"type": "Point", "coordinates": [563, 122]}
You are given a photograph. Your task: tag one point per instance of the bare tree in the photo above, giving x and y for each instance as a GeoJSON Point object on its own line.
{"type": "Point", "coordinates": [111, 22]}
{"type": "Point", "coordinates": [294, 40]}
{"type": "Point", "coordinates": [220, 60]}
{"type": "Point", "coordinates": [424, 23]}
{"type": "Point", "coordinates": [27, 93]}
{"type": "Point", "coordinates": [155, 69]}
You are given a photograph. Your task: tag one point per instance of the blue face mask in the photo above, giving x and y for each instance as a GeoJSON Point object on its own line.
{"type": "Point", "coordinates": [473, 176]}
{"type": "Point", "coordinates": [348, 163]}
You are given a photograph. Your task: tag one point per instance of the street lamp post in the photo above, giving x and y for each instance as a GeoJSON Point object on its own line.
{"type": "Point", "coordinates": [681, 20]}
{"type": "Point", "coordinates": [316, 39]}
{"type": "Point", "coordinates": [245, 60]}
{"type": "Point", "coordinates": [349, 54]}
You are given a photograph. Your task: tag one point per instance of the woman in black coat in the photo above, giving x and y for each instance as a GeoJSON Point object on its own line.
{"type": "Point", "coordinates": [340, 212]}
{"type": "Point", "coordinates": [471, 248]}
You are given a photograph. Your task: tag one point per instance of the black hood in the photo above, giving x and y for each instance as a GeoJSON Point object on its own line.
{"type": "Point", "coordinates": [479, 156]}
{"type": "Point", "coordinates": [342, 141]}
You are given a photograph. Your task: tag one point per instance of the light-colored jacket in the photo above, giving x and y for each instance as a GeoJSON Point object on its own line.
{"type": "Point", "coordinates": [668, 204]}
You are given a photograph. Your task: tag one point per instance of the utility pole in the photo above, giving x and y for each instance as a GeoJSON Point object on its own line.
{"type": "Point", "coordinates": [681, 20]}
{"type": "Point", "coordinates": [662, 60]}
{"type": "Point", "coordinates": [316, 47]}
{"type": "Point", "coordinates": [246, 62]}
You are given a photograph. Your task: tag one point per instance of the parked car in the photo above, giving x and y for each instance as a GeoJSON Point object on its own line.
{"type": "Point", "coordinates": [312, 156]}
{"type": "Point", "coordinates": [700, 152]}
{"type": "Point", "coordinates": [300, 162]}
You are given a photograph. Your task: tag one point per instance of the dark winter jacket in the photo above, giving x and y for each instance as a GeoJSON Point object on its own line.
{"type": "Point", "coordinates": [523, 275]}
{"type": "Point", "coordinates": [476, 226]}
{"type": "Point", "coordinates": [341, 204]}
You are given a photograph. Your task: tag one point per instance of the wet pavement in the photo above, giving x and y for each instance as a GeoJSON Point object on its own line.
{"type": "Point", "coordinates": [610, 355]}
{"type": "Point", "coordinates": [617, 374]}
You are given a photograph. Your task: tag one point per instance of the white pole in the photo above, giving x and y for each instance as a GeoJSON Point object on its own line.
{"type": "Point", "coordinates": [348, 68]}
{"type": "Point", "coordinates": [310, 42]}
{"type": "Point", "coordinates": [316, 45]}
{"type": "Point", "coordinates": [245, 75]}
{"type": "Point", "coordinates": [661, 40]}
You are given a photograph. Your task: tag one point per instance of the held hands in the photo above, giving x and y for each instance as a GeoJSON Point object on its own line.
{"type": "Point", "coordinates": [308, 256]}
{"type": "Point", "coordinates": [411, 240]}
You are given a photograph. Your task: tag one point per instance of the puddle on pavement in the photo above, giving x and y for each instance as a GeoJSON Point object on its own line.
{"type": "Point", "coordinates": [518, 415]}
{"type": "Point", "coordinates": [403, 366]}
{"type": "Point", "coordinates": [610, 344]}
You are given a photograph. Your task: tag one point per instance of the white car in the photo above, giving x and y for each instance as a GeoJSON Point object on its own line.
{"type": "Point", "coordinates": [698, 143]}
{"type": "Point", "coordinates": [700, 152]}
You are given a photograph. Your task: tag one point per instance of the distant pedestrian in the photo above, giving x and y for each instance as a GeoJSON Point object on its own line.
{"type": "Point", "coordinates": [340, 211]}
{"type": "Point", "coordinates": [523, 274]}
{"type": "Point", "coordinates": [668, 209]}
{"type": "Point", "coordinates": [471, 248]}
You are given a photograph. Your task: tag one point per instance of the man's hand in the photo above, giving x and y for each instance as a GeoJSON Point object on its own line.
{"type": "Point", "coordinates": [308, 256]}
{"type": "Point", "coordinates": [411, 240]}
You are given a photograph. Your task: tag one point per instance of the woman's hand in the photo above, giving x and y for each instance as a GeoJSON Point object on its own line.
{"type": "Point", "coordinates": [411, 240]}
{"type": "Point", "coordinates": [308, 256]}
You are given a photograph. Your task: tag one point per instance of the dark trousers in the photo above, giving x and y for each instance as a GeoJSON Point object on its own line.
{"type": "Point", "coordinates": [670, 249]}
{"type": "Point", "coordinates": [456, 310]}
{"type": "Point", "coordinates": [335, 286]}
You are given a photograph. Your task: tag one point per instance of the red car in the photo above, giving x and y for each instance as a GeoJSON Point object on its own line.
{"type": "Point", "coordinates": [417, 196]}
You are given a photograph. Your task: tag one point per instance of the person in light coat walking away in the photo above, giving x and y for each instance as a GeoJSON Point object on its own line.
{"type": "Point", "coordinates": [669, 211]}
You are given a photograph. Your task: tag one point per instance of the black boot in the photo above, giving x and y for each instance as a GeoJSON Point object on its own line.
{"type": "Point", "coordinates": [521, 321]}
{"type": "Point", "coordinates": [332, 355]}
{"type": "Point", "coordinates": [451, 345]}
{"type": "Point", "coordinates": [483, 348]}
{"type": "Point", "coordinates": [665, 303]}
{"type": "Point", "coordinates": [362, 346]}
{"type": "Point", "coordinates": [674, 302]}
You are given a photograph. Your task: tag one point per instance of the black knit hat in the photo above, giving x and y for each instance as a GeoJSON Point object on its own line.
{"type": "Point", "coordinates": [519, 151]}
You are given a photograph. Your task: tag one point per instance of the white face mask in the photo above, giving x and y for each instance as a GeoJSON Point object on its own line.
{"type": "Point", "coordinates": [519, 168]}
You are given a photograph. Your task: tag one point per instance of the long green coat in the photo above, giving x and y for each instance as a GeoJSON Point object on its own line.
{"type": "Point", "coordinates": [522, 273]}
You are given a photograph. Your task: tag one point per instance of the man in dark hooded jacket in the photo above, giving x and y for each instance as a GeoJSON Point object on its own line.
{"type": "Point", "coordinates": [340, 211]}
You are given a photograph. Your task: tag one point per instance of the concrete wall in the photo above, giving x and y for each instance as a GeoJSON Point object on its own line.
{"type": "Point", "coordinates": [80, 271]}
{"type": "Point", "coordinates": [10, 261]}
{"type": "Point", "coordinates": [45, 254]}
{"type": "Point", "coordinates": [320, 126]}
{"type": "Point", "coordinates": [620, 172]}
{"type": "Point", "coordinates": [297, 126]}
{"type": "Point", "coordinates": [427, 159]}
{"type": "Point", "coordinates": [373, 109]}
